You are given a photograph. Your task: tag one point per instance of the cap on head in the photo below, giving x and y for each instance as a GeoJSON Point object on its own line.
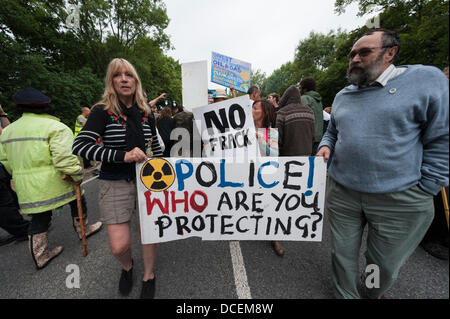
{"type": "Point", "coordinates": [220, 93]}
{"type": "Point", "coordinates": [31, 97]}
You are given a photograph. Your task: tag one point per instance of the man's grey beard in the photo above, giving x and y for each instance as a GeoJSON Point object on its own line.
{"type": "Point", "coordinates": [368, 75]}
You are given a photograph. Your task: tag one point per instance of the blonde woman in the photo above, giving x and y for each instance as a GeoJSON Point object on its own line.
{"type": "Point", "coordinates": [121, 120]}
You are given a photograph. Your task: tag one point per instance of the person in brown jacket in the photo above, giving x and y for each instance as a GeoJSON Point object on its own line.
{"type": "Point", "coordinates": [295, 124]}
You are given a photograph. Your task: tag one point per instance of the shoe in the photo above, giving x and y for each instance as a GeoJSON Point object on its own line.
{"type": "Point", "coordinates": [21, 238]}
{"type": "Point", "coordinates": [4, 240]}
{"type": "Point", "coordinates": [88, 229]}
{"type": "Point", "coordinates": [278, 248]}
{"type": "Point", "coordinates": [38, 246]}
{"type": "Point", "coordinates": [435, 249]}
{"type": "Point", "coordinates": [148, 289]}
{"type": "Point", "coordinates": [126, 281]}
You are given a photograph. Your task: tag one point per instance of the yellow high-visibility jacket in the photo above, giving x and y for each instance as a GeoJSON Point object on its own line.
{"type": "Point", "coordinates": [37, 150]}
{"type": "Point", "coordinates": [78, 126]}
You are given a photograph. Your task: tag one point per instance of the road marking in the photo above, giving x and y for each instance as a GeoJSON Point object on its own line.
{"type": "Point", "coordinates": [89, 180]}
{"type": "Point", "coordinates": [240, 275]}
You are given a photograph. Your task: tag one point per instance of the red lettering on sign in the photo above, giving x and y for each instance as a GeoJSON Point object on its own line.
{"type": "Point", "coordinates": [195, 205]}
{"type": "Point", "coordinates": [150, 203]}
{"type": "Point", "coordinates": [185, 200]}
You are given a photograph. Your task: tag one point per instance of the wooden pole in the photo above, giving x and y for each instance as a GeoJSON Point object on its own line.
{"type": "Point", "coordinates": [80, 216]}
{"type": "Point", "coordinates": [444, 198]}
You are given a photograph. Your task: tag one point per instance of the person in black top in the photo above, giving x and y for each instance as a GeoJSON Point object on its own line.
{"type": "Point", "coordinates": [165, 126]}
{"type": "Point", "coordinates": [10, 218]}
{"type": "Point", "coordinates": [121, 121]}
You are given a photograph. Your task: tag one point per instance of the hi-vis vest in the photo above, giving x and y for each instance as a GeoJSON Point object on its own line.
{"type": "Point", "coordinates": [78, 126]}
{"type": "Point", "coordinates": [37, 150]}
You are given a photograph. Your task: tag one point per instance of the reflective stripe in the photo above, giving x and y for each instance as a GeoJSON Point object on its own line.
{"type": "Point", "coordinates": [26, 139]}
{"type": "Point", "coordinates": [78, 126]}
{"type": "Point", "coordinates": [47, 202]}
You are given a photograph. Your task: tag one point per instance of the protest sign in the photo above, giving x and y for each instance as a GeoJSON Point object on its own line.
{"type": "Point", "coordinates": [194, 80]}
{"type": "Point", "coordinates": [227, 128]}
{"type": "Point", "coordinates": [228, 71]}
{"type": "Point", "coordinates": [218, 199]}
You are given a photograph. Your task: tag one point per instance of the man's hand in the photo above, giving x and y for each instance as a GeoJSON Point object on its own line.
{"type": "Point", "coordinates": [154, 101]}
{"type": "Point", "coordinates": [233, 93]}
{"type": "Point", "coordinates": [69, 179]}
{"type": "Point", "coordinates": [135, 155]}
{"type": "Point", "coordinates": [324, 152]}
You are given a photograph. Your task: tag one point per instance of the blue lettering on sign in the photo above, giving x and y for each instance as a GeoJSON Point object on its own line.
{"type": "Point", "coordinates": [260, 180]}
{"type": "Point", "coordinates": [223, 182]}
{"type": "Point", "coordinates": [311, 175]}
{"type": "Point", "coordinates": [181, 176]}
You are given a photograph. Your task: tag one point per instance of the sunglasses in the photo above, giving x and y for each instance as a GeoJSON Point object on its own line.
{"type": "Point", "coordinates": [364, 52]}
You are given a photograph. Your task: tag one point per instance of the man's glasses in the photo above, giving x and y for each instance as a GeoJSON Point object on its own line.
{"type": "Point", "coordinates": [364, 52]}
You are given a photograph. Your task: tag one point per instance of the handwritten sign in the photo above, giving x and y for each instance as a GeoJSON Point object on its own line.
{"type": "Point", "coordinates": [217, 199]}
{"type": "Point", "coordinates": [227, 128]}
{"type": "Point", "coordinates": [194, 82]}
{"type": "Point", "coordinates": [228, 71]}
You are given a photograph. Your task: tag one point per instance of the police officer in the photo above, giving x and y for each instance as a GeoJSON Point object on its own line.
{"type": "Point", "coordinates": [36, 151]}
{"type": "Point", "coordinates": [79, 123]}
{"type": "Point", "coordinates": [81, 120]}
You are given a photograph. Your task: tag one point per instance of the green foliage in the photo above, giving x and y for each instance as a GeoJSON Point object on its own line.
{"type": "Point", "coordinates": [258, 79]}
{"type": "Point", "coordinates": [369, 6]}
{"type": "Point", "coordinates": [68, 65]}
{"type": "Point", "coordinates": [422, 25]}
{"type": "Point", "coordinates": [280, 80]}
{"type": "Point", "coordinates": [423, 28]}
{"type": "Point", "coordinates": [69, 91]}
{"type": "Point", "coordinates": [159, 73]}
{"type": "Point", "coordinates": [316, 52]}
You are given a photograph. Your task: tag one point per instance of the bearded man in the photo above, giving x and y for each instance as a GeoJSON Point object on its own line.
{"type": "Point", "coordinates": [388, 135]}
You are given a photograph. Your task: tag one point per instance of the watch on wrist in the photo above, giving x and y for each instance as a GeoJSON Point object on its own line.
{"type": "Point", "coordinates": [4, 115]}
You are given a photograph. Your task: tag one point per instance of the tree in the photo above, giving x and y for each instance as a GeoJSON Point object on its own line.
{"type": "Point", "coordinates": [369, 6]}
{"type": "Point", "coordinates": [316, 52]}
{"type": "Point", "coordinates": [422, 24]}
{"type": "Point", "coordinates": [333, 79]}
{"type": "Point", "coordinates": [280, 80]}
{"type": "Point", "coordinates": [69, 91]}
{"type": "Point", "coordinates": [38, 49]}
{"type": "Point", "coordinates": [158, 72]}
{"type": "Point", "coordinates": [257, 78]}
{"type": "Point", "coordinates": [112, 28]}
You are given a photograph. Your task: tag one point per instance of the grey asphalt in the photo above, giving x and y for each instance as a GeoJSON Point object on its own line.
{"type": "Point", "coordinates": [195, 269]}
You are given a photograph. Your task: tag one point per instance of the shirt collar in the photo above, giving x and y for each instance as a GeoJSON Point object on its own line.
{"type": "Point", "coordinates": [391, 72]}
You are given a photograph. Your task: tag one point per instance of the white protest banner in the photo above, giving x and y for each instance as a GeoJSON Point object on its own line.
{"type": "Point", "coordinates": [268, 198]}
{"type": "Point", "coordinates": [227, 129]}
{"type": "Point", "coordinates": [194, 80]}
{"type": "Point", "coordinates": [228, 71]}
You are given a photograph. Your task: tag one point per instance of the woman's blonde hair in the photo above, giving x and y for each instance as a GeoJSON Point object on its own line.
{"type": "Point", "coordinates": [110, 98]}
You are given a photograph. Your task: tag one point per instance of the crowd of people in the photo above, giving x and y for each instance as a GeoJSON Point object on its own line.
{"type": "Point", "coordinates": [385, 140]}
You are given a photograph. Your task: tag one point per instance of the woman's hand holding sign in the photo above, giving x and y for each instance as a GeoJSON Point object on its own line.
{"type": "Point", "coordinates": [135, 155]}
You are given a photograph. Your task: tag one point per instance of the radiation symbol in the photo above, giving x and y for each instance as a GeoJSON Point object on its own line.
{"type": "Point", "coordinates": [157, 174]}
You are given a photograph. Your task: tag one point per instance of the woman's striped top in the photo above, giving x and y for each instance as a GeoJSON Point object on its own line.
{"type": "Point", "coordinates": [105, 127]}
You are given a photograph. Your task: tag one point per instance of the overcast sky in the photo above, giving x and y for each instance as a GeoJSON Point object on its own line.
{"type": "Point", "coordinates": [264, 33]}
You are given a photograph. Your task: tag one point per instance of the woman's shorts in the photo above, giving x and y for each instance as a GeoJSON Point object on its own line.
{"type": "Point", "coordinates": [117, 201]}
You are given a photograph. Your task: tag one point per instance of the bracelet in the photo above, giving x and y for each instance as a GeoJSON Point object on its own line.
{"type": "Point", "coordinates": [4, 115]}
